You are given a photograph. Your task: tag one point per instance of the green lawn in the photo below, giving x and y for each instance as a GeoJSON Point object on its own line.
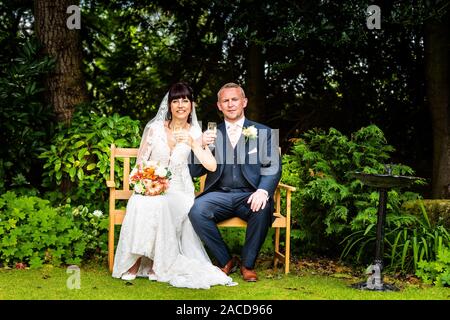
{"type": "Point", "coordinates": [97, 283]}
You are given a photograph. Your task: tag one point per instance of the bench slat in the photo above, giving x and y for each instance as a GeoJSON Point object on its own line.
{"type": "Point", "coordinates": [119, 215]}
{"type": "Point", "coordinates": [232, 222]}
{"type": "Point", "coordinates": [279, 222]}
{"type": "Point", "coordinates": [123, 194]}
{"type": "Point", "coordinates": [125, 152]}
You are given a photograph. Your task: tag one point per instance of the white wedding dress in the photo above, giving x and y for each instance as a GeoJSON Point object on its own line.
{"type": "Point", "coordinates": [157, 228]}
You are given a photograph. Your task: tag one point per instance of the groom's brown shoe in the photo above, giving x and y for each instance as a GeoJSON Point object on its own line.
{"type": "Point", "coordinates": [231, 266]}
{"type": "Point", "coordinates": [249, 274]}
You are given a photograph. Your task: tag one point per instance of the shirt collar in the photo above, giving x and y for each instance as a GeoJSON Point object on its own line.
{"type": "Point", "coordinates": [240, 123]}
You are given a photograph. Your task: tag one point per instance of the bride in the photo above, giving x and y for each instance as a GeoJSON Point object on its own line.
{"type": "Point", "coordinates": [157, 239]}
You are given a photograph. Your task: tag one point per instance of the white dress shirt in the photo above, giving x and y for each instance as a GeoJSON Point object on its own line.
{"type": "Point", "coordinates": [239, 124]}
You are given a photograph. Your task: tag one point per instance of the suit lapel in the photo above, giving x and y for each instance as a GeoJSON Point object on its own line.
{"type": "Point", "coordinates": [242, 137]}
{"type": "Point", "coordinates": [221, 146]}
{"type": "Point", "coordinates": [247, 124]}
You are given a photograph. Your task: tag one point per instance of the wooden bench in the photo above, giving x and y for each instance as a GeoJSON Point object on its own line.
{"type": "Point", "coordinates": [116, 216]}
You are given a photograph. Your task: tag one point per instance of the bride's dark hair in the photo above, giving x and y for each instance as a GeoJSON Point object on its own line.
{"type": "Point", "coordinates": [177, 91]}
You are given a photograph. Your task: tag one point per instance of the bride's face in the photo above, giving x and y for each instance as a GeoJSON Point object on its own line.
{"type": "Point", "coordinates": [180, 108]}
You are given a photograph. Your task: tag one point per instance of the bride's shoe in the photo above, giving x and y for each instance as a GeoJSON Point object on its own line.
{"type": "Point", "coordinates": [128, 276]}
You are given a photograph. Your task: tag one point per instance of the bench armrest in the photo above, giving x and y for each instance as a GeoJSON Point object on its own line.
{"type": "Point", "coordinates": [110, 184]}
{"type": "Point", "coordinates": [286, 187]}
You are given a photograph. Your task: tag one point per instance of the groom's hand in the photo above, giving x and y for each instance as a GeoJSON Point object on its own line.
{"type": "Point", "coordinates": [258, 200]}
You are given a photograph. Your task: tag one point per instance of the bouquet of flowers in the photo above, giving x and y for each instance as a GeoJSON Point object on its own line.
{"type": "Point", "coordinates": [149, 178]}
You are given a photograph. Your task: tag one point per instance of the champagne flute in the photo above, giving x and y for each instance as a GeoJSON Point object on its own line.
{"type": "Point", "coordinates": [176, 129]}
{"type": "Point", "coordinates": [213, 127]}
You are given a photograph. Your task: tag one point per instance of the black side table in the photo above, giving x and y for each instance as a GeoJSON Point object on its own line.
{"type": "Point", "coordinates": [382, 182]}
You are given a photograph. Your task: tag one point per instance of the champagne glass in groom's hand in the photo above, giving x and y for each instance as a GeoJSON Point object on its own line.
{"type": "Point", "coordinates": [212, 126]}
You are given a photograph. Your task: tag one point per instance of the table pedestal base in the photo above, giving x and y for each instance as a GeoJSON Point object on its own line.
{"type": "Point", "coordinates": [375, 280]}
{"type": "Point", "coordinates": [383, 287]}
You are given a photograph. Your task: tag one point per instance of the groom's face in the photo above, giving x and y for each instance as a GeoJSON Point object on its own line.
{"type": "Point", "coordinates": [232, 103]}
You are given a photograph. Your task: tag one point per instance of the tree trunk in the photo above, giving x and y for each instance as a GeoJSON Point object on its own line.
{"type": "Point", "coordinates": [65, 86]}
{"type": "Point", "coordinates": [255, 92]}
{"type": "Point", "coordinates": [437, 86]}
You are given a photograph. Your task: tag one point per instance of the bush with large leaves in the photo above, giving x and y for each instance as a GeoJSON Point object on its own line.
{"type": "Point", "coordinates": [408, 240]}
{"type": "Point", "coordinates": [26, 122]}
{"type": "Point", "coordinates": [78, 158]}
{"type": "Point", "coordinates": [330, 203]}
{"type": "Point", "coordinates": [437, 271]}
{"type": "Point", "coordinates": [32, 232]}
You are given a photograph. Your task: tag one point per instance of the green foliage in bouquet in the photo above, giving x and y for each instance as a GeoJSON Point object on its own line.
{"type": "Point", "coordinates": [330, 203]}
{"type": "Point", "coordinates": [34, 233]}
{"type": "Point", "coordinates": [78, 158]}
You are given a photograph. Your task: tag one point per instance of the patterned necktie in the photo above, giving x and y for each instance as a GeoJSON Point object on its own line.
{"type": "Point", "coordinates": [233, 133]}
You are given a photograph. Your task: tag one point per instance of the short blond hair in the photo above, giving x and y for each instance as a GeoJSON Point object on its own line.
{"type": "Point", "coordinates": [230, 85]}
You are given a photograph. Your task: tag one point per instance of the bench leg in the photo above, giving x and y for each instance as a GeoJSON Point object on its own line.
{"type": "Point", "coordinates": [287, 254]}
{"type": "Point", "coordinates": [111, 246]}
{"type": "Point", "coordinates": [277, 248]}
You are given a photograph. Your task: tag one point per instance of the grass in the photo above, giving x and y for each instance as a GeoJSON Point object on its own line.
{"type": "Point", "coordinates": [49, 283]}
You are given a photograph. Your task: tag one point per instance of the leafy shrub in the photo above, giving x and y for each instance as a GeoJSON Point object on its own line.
{"type": "Point", "coordinates": [436, 272]}
{"type": "Point", "coordinates": [78, 158]}
{"type": "Point", "coordinates": [329, 202]}
{"type": "Point", "coordinates": [95, 226]}
{"type": "Point", "coordinates": [438, 210]}
{"type": "Point", "coordinates": [27, 124]}
{"type": "Point", "coordinates": [33, 232]}
{"type": "Point", "coordinates": [408, 239]}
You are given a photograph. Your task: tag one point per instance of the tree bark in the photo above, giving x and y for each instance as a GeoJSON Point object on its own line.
{"type": "Point", "coordinates": [437, 90]}
{"type": "Point", "coordinates": [255, 92]}
{"type": "Point", "coordinates": [65, 86]}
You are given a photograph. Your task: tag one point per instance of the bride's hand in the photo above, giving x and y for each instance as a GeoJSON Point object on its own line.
{"type": "Point", "coordinates": [183, 137]}
{"type": "Point", "coordinates": [208, 137]}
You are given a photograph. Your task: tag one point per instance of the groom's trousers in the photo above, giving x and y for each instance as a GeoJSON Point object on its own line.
{"type": "Point", "coordinates": [216, 206]}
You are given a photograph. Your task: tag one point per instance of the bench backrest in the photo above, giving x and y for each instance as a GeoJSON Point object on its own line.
{"type": "Point", "coordinates": [117, 215]}
{"type": "Point", "coordinates": [124, 193]}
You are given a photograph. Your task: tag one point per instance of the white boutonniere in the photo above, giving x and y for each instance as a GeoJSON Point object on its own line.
{"type": "Point", "coordinates": [250, 132]}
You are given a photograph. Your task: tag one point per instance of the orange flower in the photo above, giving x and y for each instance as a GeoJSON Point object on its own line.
{"type": "Point", "coordinates": [149, 171]}
{"type": "Point", "coordinates": [146, 182]}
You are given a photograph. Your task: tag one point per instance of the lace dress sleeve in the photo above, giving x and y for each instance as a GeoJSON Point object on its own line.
{"type": "Point", "coordinates": [196, 133]}
{"type": "Point", "coordinates": [145, 149]}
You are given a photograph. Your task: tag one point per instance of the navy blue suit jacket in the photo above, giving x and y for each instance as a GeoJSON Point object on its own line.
{"type": "Point", "coordinates": [259, 158]}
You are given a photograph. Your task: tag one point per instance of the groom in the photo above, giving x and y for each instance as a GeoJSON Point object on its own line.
{"type": "Point", "coordinates": [248, 172]}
